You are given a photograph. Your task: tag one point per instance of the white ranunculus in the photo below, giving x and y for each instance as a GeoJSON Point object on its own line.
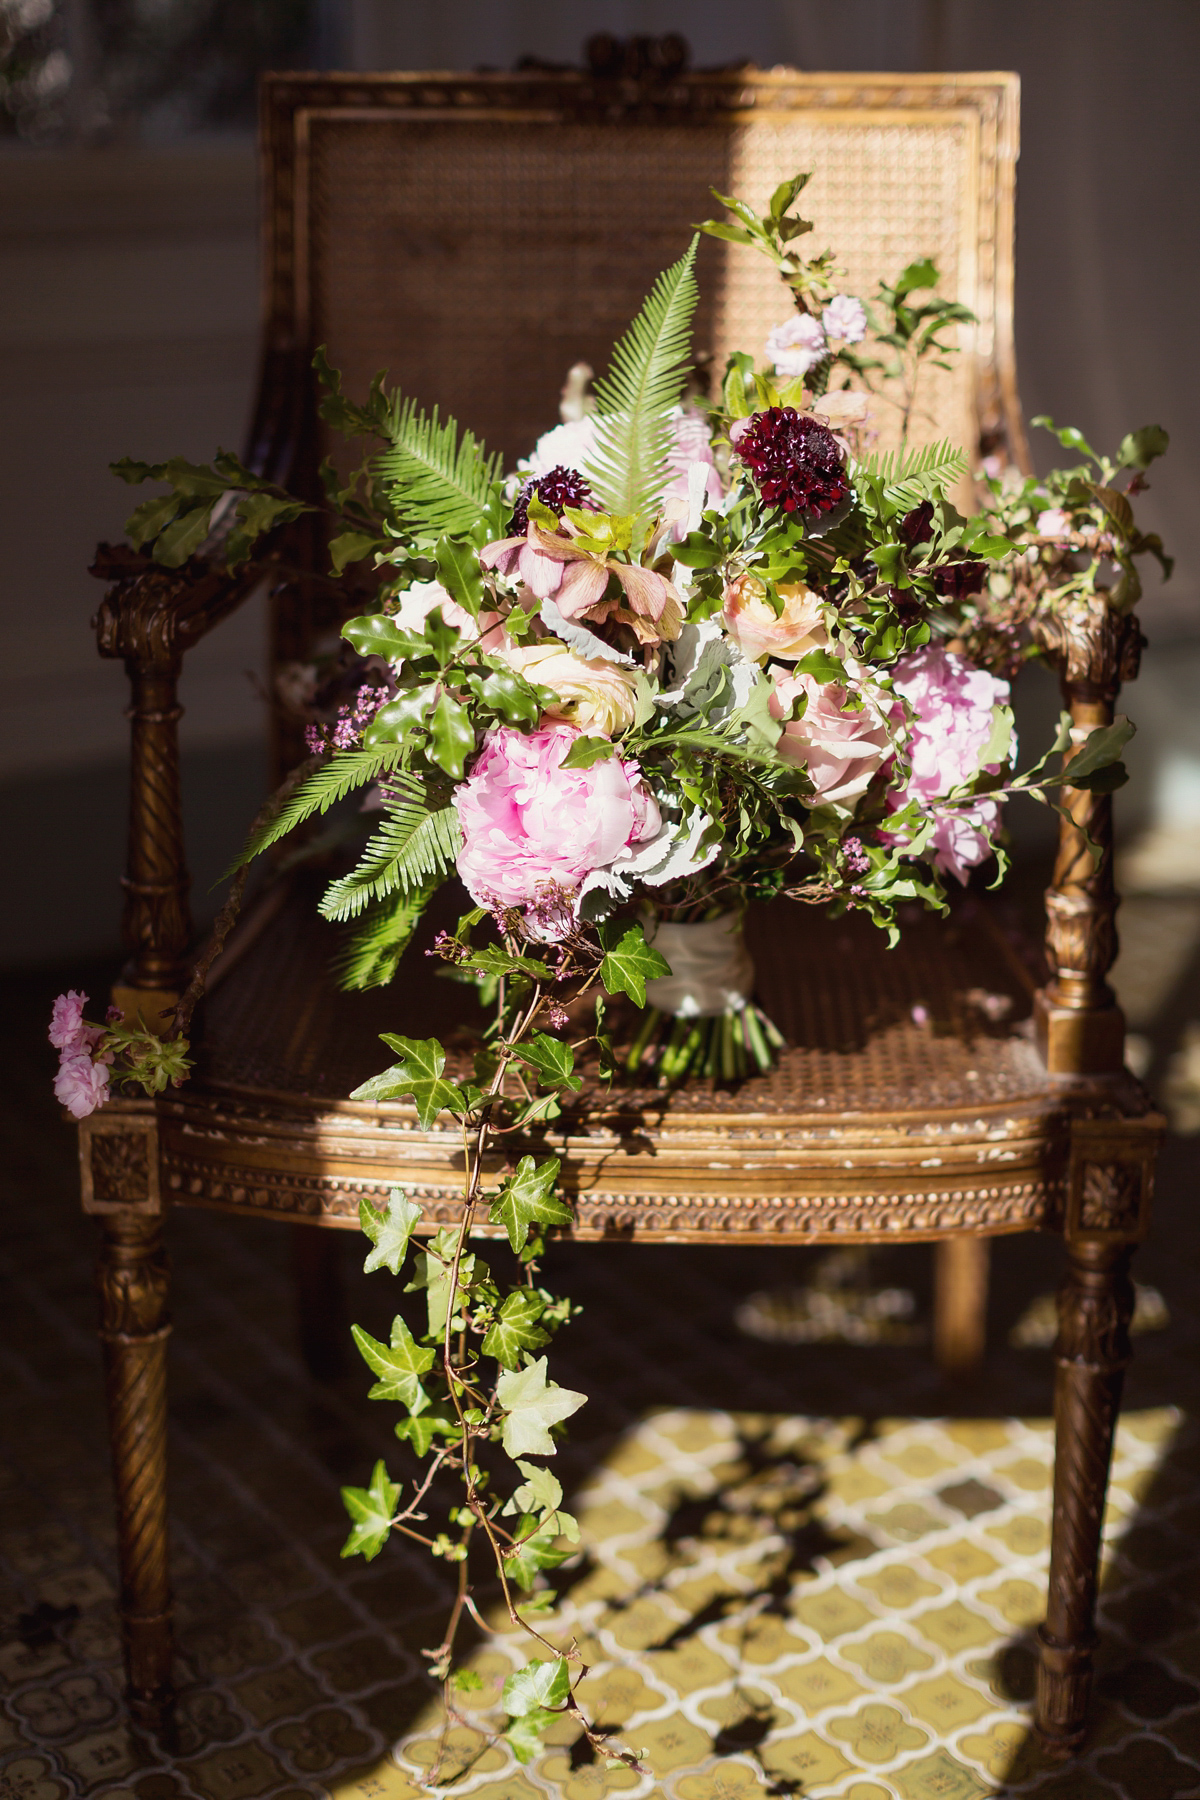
{"type": "Point", "coordinates": [595, 694]}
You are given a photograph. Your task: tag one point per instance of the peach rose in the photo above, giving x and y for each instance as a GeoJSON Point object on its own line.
{"type": "Point", "coordinates": [750, 619]}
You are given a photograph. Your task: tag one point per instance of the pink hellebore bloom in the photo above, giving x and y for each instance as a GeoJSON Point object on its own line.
{"type": "Point", "coordinates": [840, 747]}
{"type": "Point", "coordinates": [532, 831]}
{"type": "Point", "coordinates": [81, 1085]}
{"type": "Point", "coordinates": [419, 600]}
{"type": "Point", "coordinates": [952, 704]}
{"type": "Point", "coordinates": [553, 566]}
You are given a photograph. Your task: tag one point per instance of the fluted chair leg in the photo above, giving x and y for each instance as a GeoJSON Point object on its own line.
{"type": "Point", "coordinates": [133, 1276]}
{"type": "Point", "coordinates": [1095, 1305]}
{"type": "Point", "coordinates": [960, 1291]}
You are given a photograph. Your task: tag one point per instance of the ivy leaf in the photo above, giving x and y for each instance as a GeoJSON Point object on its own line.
{"type": "Point", "coordinates": [532, 1404]}
{"type": "Point", "coordinates": [538, 1685]}
{"type": "Point", "coordinates": [421, 1432]}
{"type": "Point", "coordinates": [628, 962]}
{"type": "Point", "coordinates": [420, 1074]}
{"type": "Point", "coordinates": [535, 1550]}
{"type": "Point", "coordinates": [371, 1512]}
{"type": "Point", "coordinates": [541, 1494]}
{"type": "Point", "coordinates": [553, 1060]}
{"type": "Point", "coordinates": [524, 1735]}
{"type": "Point", "coordinates": [453, 735]}
{"type": "Point", "coordinates": [399, 1366]}
{"type": "Point", "coordinates": [527, 1197]}
{"type": "Point", "coordinates": [515, 1328]}
{"type": "Point", "coordinates": [433, 1267]}
{"type": "Point", "coordinates": [541, 1491]}
{"type": "Point", "coordinates": [390, 1233]}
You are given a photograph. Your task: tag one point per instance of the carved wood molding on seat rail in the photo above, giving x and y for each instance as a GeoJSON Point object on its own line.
{"type": "Point", "coordinates": [1019, 1205]}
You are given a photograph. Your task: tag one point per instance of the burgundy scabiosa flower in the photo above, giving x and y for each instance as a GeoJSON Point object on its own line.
{"type": "Point", "coordinates": [561, 487]}
{"type": "Point", "coordinates": [796, 461]}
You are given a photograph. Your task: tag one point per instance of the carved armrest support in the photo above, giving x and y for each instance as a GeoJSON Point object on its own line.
{"type": "Point", "coordinates": [149, 617]}
{"type": "Point", "coordinates": [1080, 1027]}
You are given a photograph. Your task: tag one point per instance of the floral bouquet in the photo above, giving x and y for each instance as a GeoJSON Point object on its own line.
{"type": "Point", "coordinates": [695, 651]}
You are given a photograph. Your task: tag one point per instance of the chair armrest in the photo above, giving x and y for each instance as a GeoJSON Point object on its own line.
{"type": "Point", "coordinates": [149, 617]}
{"type": "Point", "coordinates": [1080, 1027]}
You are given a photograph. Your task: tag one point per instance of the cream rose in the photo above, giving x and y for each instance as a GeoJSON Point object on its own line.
{"type": "Point", "coordinates": [750, 619]}
{"type": "Point", "coordinates": [594, 694]}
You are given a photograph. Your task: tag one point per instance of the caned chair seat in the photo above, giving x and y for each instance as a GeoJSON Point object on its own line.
{"type": "Point", "coordinates": [911, 1101]}
{"type": "Point", "coordinates": [478, 235]}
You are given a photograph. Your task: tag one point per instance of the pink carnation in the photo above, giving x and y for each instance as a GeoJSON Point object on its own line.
{"type": "Point", "coordinates": [80, 1085]}
{"type": "Point", "coordinates": [952, 704]}
{"type": "Point", "coordinates": [66, 1020]}
{"type": "Point", "coordinates": [797, 345]}
{"type": "Point", "coordinates": [840, 747]}
{"type": "Point", "coordinates": [845, 318]}
{"type": "Point", "coordinates": [532, 831]}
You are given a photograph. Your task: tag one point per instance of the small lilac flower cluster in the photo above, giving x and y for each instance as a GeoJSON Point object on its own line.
{"type": "Point", "coordinates": [81, 1084]}
{"type": "Point", "coordinates": [346, 731]}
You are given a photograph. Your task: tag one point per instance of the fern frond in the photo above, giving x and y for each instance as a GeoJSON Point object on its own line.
{"type": "Point", "coordinates": [914, 474]}
{"type": "Point", "coordinates": [372, 954]}
{"type": "Point", "coordinates": [412, 848]}
{"type": "Point", "coordinates": [345, 771]}
{"type": "Point", "coordinates": [438, 481]}
{"type": "Point", "coordinates": [650, 364]}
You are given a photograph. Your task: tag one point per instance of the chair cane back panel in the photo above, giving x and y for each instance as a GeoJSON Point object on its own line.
{"type": "Point", "coordinates": [477, 235]}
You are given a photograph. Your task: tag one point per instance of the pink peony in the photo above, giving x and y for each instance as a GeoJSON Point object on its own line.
{"type": "Point", "coordinates": [952, 704]}
{"type": "Point", "coordinates": [845, 318]}
{"type": "Point", "coordinates": [840, 747]}
{"type": "Point", "coordinates": [66, 1020]}
{"type": "Point", "coordinates": [80, 1085]}
{"type": "Point", "coordinates": [533, 831]}
{"type": "Point", "coordinates": [797, 345]}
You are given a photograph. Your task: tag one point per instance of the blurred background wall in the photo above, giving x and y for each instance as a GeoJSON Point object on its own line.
{"type": "Point", "coordinates": [128, 313]}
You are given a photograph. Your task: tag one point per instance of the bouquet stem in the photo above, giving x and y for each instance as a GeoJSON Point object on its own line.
{"type": "Point", "coordinates": [721, 1047]}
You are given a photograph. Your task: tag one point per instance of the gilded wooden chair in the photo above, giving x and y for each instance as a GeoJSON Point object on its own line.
{"type": "Point", "coordinates": [477, 235]}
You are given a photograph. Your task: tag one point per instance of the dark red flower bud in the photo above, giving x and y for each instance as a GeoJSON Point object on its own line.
{"type": "Point", "coordinates": [957, 580]}
{"type": "Point", "coordinates": [561, 487]}
{"type": "Point", "coordinates": [914, 526]}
